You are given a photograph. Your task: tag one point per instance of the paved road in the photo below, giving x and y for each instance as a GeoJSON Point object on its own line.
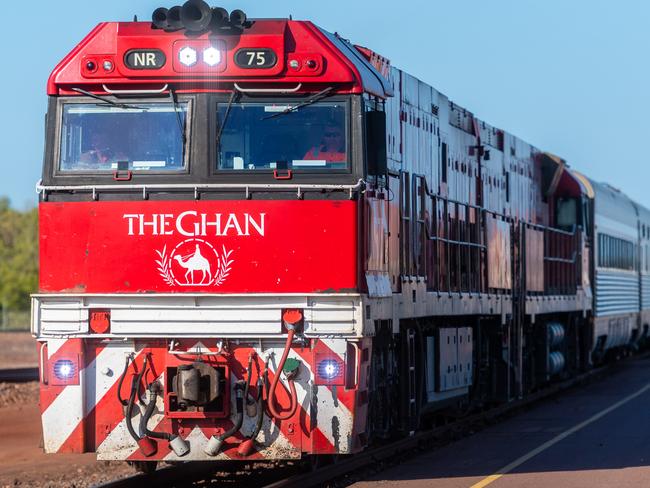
{"type": "Point", "coordinates": [596, 436]}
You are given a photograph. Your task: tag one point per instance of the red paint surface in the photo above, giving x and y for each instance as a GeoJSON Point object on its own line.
{"type": "Point", "coordinates": [111, 41]}
{"type": "Point", "coordinates": [307, 246]}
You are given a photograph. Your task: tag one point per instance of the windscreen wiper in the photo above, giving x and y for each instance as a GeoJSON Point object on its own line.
{"type": "Point", "coordinates": [108, 101]}
{"type": "Point", "coordinates": [181, 127]}
{"type": "Point", "coordinates": [233, 95]}
{"type": "Point", "coordinates": [311, 100]}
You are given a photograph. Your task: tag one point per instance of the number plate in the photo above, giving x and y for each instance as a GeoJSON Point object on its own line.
{"type": "Point", "coordinates": [145, 59]}
{"type": "Point", "coordinates": [255, 58]}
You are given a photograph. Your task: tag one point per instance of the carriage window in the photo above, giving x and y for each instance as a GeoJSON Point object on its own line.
{"type": "Point", "coordinates": [142, 137]}
{"type": "Point", "coordinates": [268, 136]}
{"type": "Point", "coordinates": [616, 253]}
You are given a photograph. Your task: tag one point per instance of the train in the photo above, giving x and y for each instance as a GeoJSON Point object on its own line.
{"type": "Point", "coordinates": [260, 241]}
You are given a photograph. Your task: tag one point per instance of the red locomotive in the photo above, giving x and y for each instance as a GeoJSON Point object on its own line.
{"type": "Point", "coordinates": [260, 241]}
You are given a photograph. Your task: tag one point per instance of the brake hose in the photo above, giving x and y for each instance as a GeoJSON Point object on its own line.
{"type": "Point", "coordinates": [121, 382]}
{"type": "Point", "coordinates": [135, 386]}
{"type": "Point", "coordinates": [260, 410]}
{"type": "Point", "coordinates": [276, 378]}
{"type": "Point", "coordinates": [151, 406]}
{"type": "Point", "coordinates": [247, 446]}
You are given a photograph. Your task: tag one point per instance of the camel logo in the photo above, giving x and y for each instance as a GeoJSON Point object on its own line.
{"type": "Point", "coordinates": [194, 262]}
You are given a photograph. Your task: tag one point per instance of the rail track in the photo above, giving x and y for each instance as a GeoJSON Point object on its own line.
{"type": "Point", "coordinates": [236, 473]}
{"type": "Point", "coordinates": [18, 375]}
{"type": "Point", "coordinates": [346, 469]}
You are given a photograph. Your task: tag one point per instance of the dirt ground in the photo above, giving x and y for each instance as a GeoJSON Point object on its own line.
{"type": "Point", "coordinates": [22, 461]}
{"type": "Point", "coordinates": [18, 350]}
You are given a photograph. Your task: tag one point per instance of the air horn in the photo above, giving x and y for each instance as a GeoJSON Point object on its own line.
{"type": "Point", "coordinates": [198, 16]}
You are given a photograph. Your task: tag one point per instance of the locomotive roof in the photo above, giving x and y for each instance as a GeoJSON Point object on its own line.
{"type": "Point", "coordinates": [322, 59]}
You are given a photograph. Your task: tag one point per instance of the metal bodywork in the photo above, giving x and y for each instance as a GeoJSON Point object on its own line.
{"type": "Point", "coordinates": [616, 297]}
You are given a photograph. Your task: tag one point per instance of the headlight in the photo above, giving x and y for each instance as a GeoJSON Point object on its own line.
{"type": "Point", "coordinates": [211, 56]}
{"type": "Point", "coordinates": [187, 56]}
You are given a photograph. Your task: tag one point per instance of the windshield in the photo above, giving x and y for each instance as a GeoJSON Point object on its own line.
{"type": "Point", "coordinates": [146, 137]}
{"type": "Point", "coordinates": [266, 136]}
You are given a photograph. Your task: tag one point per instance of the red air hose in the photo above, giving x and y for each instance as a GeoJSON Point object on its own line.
{"type": "Point", "coordinates": [276, 379]}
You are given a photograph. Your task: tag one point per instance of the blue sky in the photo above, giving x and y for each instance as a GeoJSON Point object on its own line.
{"type": "Point", "coordinates": [571, 77]}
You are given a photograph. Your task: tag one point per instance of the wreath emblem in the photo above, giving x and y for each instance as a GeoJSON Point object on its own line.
{"type": "Point", "coordinates": [164, 266]}
{"type": "Point", "coordinates": [223, 259]}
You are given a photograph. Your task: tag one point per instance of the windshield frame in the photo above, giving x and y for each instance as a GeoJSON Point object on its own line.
{"type": "Point", "coordinates": [84, 100]}
{"type": "Point", "coordinates": [264, 173]}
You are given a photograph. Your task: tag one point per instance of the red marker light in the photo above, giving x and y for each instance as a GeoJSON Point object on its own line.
{"type": "Point", "coordinates": [100, 321]}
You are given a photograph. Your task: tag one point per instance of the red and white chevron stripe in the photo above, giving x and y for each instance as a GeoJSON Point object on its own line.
{"type": "Point", "coordinates": [87, 417]}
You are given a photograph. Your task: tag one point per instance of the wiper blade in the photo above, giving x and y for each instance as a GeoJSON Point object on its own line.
{"type": "Point", "coordinates": [233, 95]}
{"type": "Point", "coordinates": [108, 101]}
{"type": "Point", "coordinates": [181, 127]}
{"type": "Point", "coordinates": [311, 100]}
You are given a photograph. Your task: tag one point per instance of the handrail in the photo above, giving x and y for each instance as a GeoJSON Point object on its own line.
{"type": "Point", "coordinates": [552, 229]}
{"type": "Point", "coordinates": [201, 186]}
{"type": "Point", "coordinates": [268, 90]}
{"type": "Point", "coordinates": [135, 92]}
{"type": "Point", "coordinates": [41, 362]}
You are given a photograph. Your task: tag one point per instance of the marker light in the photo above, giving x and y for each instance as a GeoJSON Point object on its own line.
{"type": "Point", "coordinates": [187, 56]}
{"type": "Point", "coordinates": [211, 56]}
{"type": "Point", "coordinates": [329, 371]}
{"type": "Point", "coordinates": [64, 369]}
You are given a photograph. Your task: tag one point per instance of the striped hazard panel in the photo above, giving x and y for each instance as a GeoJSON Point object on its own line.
{"type": "Point", "coordinates": [85, 383]}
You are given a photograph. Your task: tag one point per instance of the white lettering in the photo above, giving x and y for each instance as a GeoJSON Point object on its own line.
{"type": "Point", "coordinates": [131, 218]}
{"type": "Point", "coordinates": [192, 224]}
{"type": "Point", "coordinates": [151, 59]}
{"type": "Point", "coordinates": [232, 223]}
{"type": "Point", "coordinates": [216, 223]}
{"type": "Point", "coordinates": [165, 229]}
{"type": "Point", "coordinates": [153, 223]}
{"type": "Point", "coordinates": [179, 226]}
{"type": "Point", "coordinates": [259, 227]}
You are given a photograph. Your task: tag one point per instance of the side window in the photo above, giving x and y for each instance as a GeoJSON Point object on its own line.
{"type": "Point", "coordinates": [616, 253]}
{"type": "Point", "coordinates": [443, 163]}
{"type": "Point", "coordinates": [406, 233]}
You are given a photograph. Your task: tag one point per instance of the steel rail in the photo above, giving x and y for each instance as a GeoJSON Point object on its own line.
{"type": "Point", "coordinates": [18, 375]}
{"type": "Point", "coordinates": [386, 454]}
{"type": "Point", "coordinates": [187, 473]}
{"type": "Point", "coordinates": [410, 446]}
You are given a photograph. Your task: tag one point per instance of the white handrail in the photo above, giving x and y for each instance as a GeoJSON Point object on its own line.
{"type": "Point", "coordinates": [199, 186]}
{"type": "Point", "coordinates": [135, 92]}
{"type": "Point", "coordinates": [268, 90]}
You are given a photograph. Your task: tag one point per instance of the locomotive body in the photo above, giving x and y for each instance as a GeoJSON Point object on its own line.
{"type": "Point", "coordinates": [287, 246]}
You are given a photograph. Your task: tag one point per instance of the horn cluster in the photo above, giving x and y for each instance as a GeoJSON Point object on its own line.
{"type": "Point", "coordinates": [198, 16]}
